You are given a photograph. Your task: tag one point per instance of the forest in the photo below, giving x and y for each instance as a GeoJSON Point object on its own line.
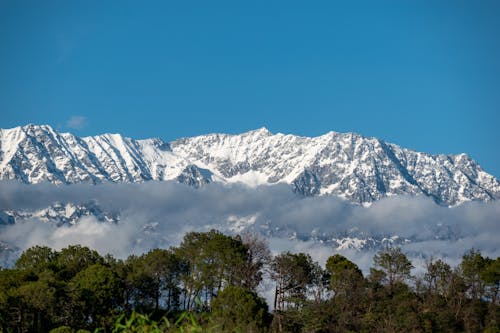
{"type": "Point", "coordinates": [209, 283]}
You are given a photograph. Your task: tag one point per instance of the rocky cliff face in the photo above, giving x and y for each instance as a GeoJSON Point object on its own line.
{"type": "Point", "coordinates": [357, 168]}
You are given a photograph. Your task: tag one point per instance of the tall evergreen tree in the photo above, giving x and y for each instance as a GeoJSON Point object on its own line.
{"type": "Point", "coordinates": [394, 264]}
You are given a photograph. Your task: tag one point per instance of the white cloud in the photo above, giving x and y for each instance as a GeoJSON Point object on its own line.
{"type": "Point", "coordinates": [173, 209]}
{"type": "Point", "coordinates": [77, 122]}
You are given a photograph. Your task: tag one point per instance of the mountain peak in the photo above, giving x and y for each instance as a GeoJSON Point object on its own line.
{"type": "Point", "coordinates": [357, 168]}
{"type": "Point", "coordinates": [262, 131]}
{"type": "Point", "coordinates": [32, 126]}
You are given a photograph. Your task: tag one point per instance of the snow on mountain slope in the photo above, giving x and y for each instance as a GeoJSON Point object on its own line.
{"type": "Point", "coordinates": [357, 168]}
{"type": "Point", "coordinates": [35, 154]}
{"type": "Point", "coordinates": [61, 213]}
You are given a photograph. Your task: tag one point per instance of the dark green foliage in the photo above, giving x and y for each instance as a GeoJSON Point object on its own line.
{"type": "Point", "coordinates": [349, 292]}
{"type": "Point", "coordinates": [208, 284]}
{"type": "Point", "coordinates": [471, 268]}
{"type": "Point", "coordinates": [345, 276]}
{"type": "Point", "coordinates": [153, 279]}
{"type": "Point", "coordinates": [215, 261]}
{"type": "Point", "coordinates": [95, 293]}
{"type": "Point", "coordinates": [491, 277]}
{"type": "Point", "coordinates": [239, 309]}
{"type": "Point", "coordinates": [74, 259]}
{"type": "Point", "coordinates": [338, 264]}
{"type": "Point", "coordinates": [37, 259]}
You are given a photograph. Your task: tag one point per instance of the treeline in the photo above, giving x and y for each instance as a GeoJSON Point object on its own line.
{"type": "Point", "coordinates": [209, 283]}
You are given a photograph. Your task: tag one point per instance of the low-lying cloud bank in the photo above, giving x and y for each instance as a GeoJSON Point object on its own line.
{"type": "Point", "coordinates": [169, 209]}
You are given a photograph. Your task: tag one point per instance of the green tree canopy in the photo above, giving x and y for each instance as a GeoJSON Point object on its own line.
{"type": "Point", "coordinates": [74, 259]}
{"type": "Point", "coordinates": [345, 275]}
{"type": "Point", "coordinates": [236, 309]}
{"type": "Point", "coordinates": [215, 261]}
{"type": "Point", "coordinates": [293, 273]}
{"type": "Point", "coordinates": [95, 291]}
{"type": "Point", "coordinates": [394, 264]}
{"type": "Point", "coordinates": [36, 258]}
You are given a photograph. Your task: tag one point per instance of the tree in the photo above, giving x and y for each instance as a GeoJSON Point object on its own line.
{"type": "Point", "coordinates": [74, 259]}
{"type": "Point", "coordinates": [439, 303]}
{"type": "Point", "coordinates": [258, 257]}
{"type": "Point", "coordinates": [293, 274]}
{"type": "Point", "coordinates": [437, 277]}
{"type": "Point", "coordinates": [95, 290]}
{"type": "Point", "coordinates": [37, 259]}
{"type": "Point", "coordinates": [40, 298]}
{"type": "Point", "coordinates": [163, 268]}
{"type": "Point", "coordinates": [482, 278]}
{"type": "Point", "coordinates": [344, 274]}
{"type": "Point", "coordinates": [236, 309]}
{"type": "Point", "coordinates": [77, 288]}
{"type": "Point", "coordinates": [473, 263]}
{"type": "Point", "coordinates": [348, 286]}
{"type": "Point", "coordinates": [11, 309]}
{"type": "Point", "coordinates": [491, 277]}
{"type": "Point", "coordinates": [394, 264]}
{"type": "Point", "coordinates": [215, 261]}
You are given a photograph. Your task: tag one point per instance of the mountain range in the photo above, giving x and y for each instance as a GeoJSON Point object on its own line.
{"type": "Point", "coordinates": [348, 165]}
{"type": "Point", "coordinates": [357, 168]}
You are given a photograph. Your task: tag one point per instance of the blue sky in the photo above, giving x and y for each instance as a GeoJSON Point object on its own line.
{"type": "Point", "coordinates": [422, 74]}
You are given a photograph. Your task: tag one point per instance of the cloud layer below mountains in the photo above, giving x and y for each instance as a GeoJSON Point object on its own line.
{"type": "Point", "coordinates": [157, 214]}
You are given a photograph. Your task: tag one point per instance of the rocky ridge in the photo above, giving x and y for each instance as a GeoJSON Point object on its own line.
{"type": "Point", "coordinates": [357, 168]}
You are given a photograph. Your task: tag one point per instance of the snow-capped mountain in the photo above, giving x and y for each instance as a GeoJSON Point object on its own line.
{"type": "Point", "coordinates": [35, 154]}
{"type": "Point", "coordinates": [61, 214]}
{"type": "Point", "coordinates": [359, 169]}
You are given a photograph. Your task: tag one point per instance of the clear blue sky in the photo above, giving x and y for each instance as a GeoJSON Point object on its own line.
{"type": "Point", "coordinates": [422, 74]}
